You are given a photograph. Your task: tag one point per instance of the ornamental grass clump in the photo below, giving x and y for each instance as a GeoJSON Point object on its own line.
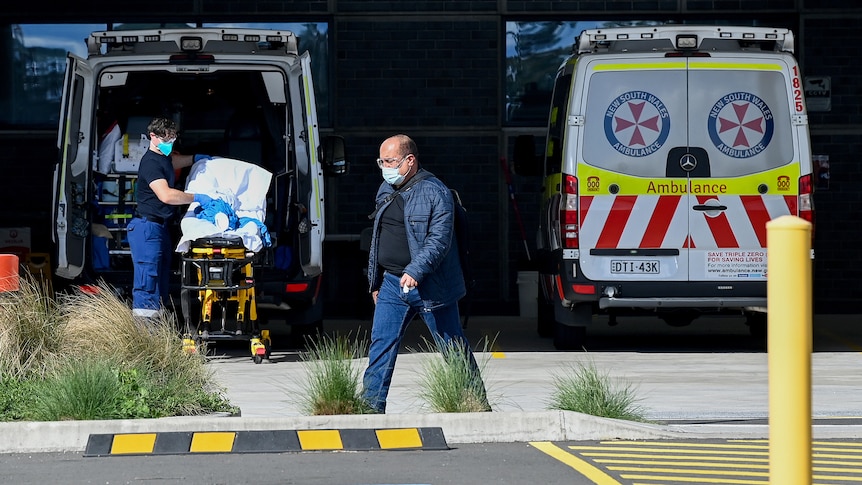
{"type": "Point", "coordinates": [450, 381]}
{"type": "Point", "coordinates": [334, 377]}
{"type": "Point", "coordinates": [83, 355]}
{"type": "Point", "coordinates": [29, 331]}
{"type": "Point", "coordinates": [583, 388]}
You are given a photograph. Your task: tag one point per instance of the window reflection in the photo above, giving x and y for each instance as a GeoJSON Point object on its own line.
{"type": "Point", "coordinates": [31, 88]}
{"type": "Point", "coordinates": [534, 51]}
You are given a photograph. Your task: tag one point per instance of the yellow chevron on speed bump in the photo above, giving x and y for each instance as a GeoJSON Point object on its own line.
{"type": "Point", "coordinates": [271, 441]}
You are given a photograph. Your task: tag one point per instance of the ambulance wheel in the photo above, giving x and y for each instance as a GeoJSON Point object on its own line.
{"type": "Point", "coordinates": [757, 325]}
{"type": "Point", "coordinates": [545, 322]}
{"type": "Point", "coordinates": [569, 337]}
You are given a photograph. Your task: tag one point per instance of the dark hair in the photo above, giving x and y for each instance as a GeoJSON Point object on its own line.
{"type": "Point", "coordinates": [162, 127]}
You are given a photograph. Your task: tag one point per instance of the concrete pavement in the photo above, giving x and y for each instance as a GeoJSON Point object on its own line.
{"type": "Point", "coordinates": [707, 380]}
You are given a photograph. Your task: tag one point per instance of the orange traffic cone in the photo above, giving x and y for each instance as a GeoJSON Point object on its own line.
{"type": "Point", "coordinates": [9, 272]}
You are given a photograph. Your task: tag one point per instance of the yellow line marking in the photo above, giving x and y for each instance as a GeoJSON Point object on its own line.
{"type": "Point", "coordinates": [723, 473]}
{"type": "Point", "coordinates": [587, 470]}
{"type": "Point", "coordinates": [399, 438]}
{"type": "Point", "coordinates": [498, 355]}
{"type": "Point", "coordinates": [320, 439]}
{"type": "Point", "coordinates": [212, 442]}
{"type": "Point", "coordinates": [133, 443]}
{"type": "Point", "coordinates": [735, 459]}
{"type": "Point", "coordinates": [692, 444]}
{"type": "Point", "coordinates": [687, 463]}
{"type": "Point", "coordinates": [659, 450]}
{"type": "Point", "coordinates": [699, 480]}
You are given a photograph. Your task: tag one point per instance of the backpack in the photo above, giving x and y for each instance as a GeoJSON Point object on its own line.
{"type": "Point", "coordinates": [462, 237]}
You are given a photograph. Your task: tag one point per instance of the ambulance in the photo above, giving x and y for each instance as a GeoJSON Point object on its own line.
{"type": "Point", "coordinates": [668, 149]}
{"type": "Point", "coordinates": [237, 93]}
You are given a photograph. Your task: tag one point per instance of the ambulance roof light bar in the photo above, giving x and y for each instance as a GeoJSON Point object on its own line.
{"type": "Point", "coordinates": [191, 39]}
{"type": "Point", "coordinates": [682, 36]}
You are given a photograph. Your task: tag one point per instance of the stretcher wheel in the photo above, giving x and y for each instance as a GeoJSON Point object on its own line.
{"type": "Point", "coordinates": [259, 349]}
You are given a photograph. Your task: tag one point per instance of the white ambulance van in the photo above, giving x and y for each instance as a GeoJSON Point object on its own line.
{"type": "Point", "coordinates": [243, 94]}
{"type": "Point", "coordinates": [668, 149]}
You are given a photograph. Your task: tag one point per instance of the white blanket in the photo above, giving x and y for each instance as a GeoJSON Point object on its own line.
{"type": "Point", "coordinates": [242, 184]}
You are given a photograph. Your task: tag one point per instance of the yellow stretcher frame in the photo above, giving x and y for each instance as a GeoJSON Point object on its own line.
{"type": "Point", "coordinates": [217, 271]}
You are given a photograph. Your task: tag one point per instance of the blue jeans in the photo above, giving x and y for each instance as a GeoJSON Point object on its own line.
{"type": "Point", "coordinates": [394, 311]}
{"type": "Point", "coordinates": [150, 243]}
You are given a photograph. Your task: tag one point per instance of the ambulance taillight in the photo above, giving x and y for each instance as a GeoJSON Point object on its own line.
{"type": "Point", "coordinates": [569, 213]}
{"type": "Point", "coordinates": [806, 201]}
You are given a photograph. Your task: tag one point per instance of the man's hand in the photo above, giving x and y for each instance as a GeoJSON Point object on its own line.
{"type": "Point", "coordinates": [408, 282]}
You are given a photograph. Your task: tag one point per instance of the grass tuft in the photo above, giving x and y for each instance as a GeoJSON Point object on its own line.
{"type": "Point", "coordinates": [583, 388]}
{"type": "Point", "coordinates": [29, 340]}
{"type": "Point", "coordinates": [85, 356]}
{"type": "Point", "coordinates": [334, 376]}
{"type": "Point", "coordinates": [449, 382]}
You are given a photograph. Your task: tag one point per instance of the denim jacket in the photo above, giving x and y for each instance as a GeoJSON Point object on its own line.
{"type": "Point", "coordinates": [429, 222]}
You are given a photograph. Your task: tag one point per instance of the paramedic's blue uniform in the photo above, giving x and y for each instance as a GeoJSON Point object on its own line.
{"type": "Point", "coordinates": [149, 237]}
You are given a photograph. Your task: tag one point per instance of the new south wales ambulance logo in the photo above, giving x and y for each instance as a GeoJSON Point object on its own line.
{"type": "Point", "coordinates": [637, 123]}
{"type": "Point", "coordinates": [740, 125]}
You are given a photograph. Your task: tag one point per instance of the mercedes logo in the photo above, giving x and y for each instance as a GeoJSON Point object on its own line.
{"type": "Point", "coordinates": [687, 162]}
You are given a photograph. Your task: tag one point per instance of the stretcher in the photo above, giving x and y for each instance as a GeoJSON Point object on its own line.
{"type": "Point", "coordinates": [217, 293]}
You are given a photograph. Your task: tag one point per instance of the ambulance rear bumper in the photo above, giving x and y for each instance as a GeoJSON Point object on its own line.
{"type": "Point", "coordinates": [685, 302]}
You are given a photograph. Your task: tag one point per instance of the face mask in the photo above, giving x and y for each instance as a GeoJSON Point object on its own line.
{"type": "Point", "coordinates": [391, 175]}
{"type": "Point", "coordinates": [165, 148]}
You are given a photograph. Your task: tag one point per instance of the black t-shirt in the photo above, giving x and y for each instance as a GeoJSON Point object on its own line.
{"type": "Point", "coordinates": [154, 166]}
{"type": "Point", "coordinates": [393, 254]}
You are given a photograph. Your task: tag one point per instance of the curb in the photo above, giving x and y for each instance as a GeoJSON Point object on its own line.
{"type": "Point", "coordinates": [494, 427]}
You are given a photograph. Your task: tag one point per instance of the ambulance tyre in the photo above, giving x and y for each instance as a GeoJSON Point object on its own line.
{"type": "Point", "coordinates": [570, 327]}
{"type": "Point", "coordinates": [757, 325]}
{"type": "Point", "coordinates": [545, 323]}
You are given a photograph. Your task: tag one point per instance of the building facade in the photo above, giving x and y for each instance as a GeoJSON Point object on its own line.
{"type": "Point", "coordinates": [463, 78]}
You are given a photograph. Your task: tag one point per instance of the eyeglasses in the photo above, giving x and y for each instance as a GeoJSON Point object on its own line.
{"type": "Point", "coordinates": [388, 162]}
{"type": "Point", "coordinates": [166, 139]}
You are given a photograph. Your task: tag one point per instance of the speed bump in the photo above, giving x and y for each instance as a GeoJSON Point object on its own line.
{"type": "Point", "coordinates": [272, 441]}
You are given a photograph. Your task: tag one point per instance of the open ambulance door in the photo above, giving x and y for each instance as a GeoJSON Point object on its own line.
{"type": "Point", "coordinates": [71, 174]}
{"type": "Point", "coordinates": [746, 163]}
{"type": "Point", "coordinates": [309, 176]}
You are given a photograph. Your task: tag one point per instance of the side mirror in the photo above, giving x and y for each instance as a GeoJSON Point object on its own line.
{"type": "Point", "coordinates": [333, 157]}
{"type": "Point", "coordinates": [526, 162]}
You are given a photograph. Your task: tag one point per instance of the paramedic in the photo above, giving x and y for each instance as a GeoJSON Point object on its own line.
{"type": "Point", "coordinates": [148, 232]}
{"type": "Point", "coordinates": [412, 268]}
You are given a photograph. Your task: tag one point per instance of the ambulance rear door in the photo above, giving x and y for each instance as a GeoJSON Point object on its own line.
{"type": "Point", "coordinates": [743, 162]}
{"type": "Point", "coordinates": [71, 174]}
{"type": "Point", "coordinates": [309, 172]}
{"type": "Point", "coordinates": [633, 225]}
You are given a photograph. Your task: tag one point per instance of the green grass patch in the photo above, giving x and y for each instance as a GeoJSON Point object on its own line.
{"type": "Point", "coordinates": [450, 381]}
{"type": "Point", "coordinates": [583, 388]}
{"type": "Point", "coordinates": [334, 377]}
{"type": "Point", "coordinates": [85, 356]}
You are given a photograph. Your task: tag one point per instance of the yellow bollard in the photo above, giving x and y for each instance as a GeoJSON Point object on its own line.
{"type": "Point", "coordinates": [789, 349]}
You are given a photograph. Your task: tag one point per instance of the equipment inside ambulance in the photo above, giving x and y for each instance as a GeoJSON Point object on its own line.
{"type": "Point", "coordinates": [667, 150]}
{"type": "Point", "coordinates": [235, 94]}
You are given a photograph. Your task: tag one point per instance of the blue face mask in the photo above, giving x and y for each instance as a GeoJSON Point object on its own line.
{"type": "Point", "coordinates": [391, 175]}
{"type": "Point", "coordinates": [165, 147]}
